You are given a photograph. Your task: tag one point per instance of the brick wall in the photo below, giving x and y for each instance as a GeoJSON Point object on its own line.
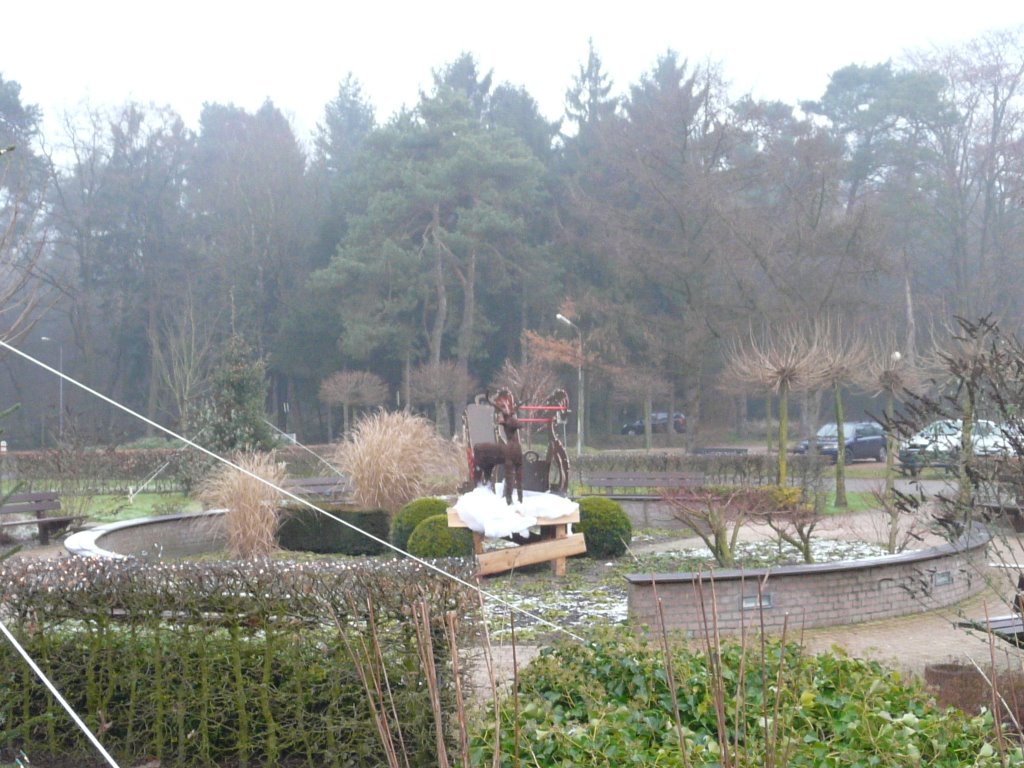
{"type": "Point", "coordinates": [812, 595]}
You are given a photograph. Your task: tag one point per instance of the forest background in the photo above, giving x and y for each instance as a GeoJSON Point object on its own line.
{"type": "Point", "coordinates": [412, 259]}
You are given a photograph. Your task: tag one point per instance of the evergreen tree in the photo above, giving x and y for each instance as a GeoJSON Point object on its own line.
{"type": "Point", "coordinates": [235, 417]}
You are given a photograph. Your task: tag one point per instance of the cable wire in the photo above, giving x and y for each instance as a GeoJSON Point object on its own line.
{"type": "Point", "coordinates": [56, 694]}
{"type": "Point", "coordinates": [294, 497]}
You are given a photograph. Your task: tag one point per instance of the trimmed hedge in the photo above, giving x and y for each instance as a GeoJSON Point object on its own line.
{"type": "Point", "coordinates": [306, 530]}
{"type": "Point", "coordinates": [432, 538]}
{"type": "Point", "coordinates": [411, 515]}
{"type": "Point", "coordinates": [229, 663]}
{"type": "Point", "coordinates": [747, 470]}
{"type": "Point", "coordinates": [605, 527]}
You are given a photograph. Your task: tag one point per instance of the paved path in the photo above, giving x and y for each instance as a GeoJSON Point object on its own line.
{"type": "Point", "coordinates": [909, 643]}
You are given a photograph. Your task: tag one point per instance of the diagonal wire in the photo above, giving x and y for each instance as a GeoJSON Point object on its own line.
{"type": "Point", "coordinates": [306, 448]}
{"type": "Point", "coordinates": [294, 497]}
{"type": "Point", "coordinates": [56, 694]}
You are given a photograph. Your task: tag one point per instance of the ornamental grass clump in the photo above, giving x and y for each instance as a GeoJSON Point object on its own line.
{"type": "Point", "coordinates": [251, 499]}
{"type": "Point", "coordinates": [393, 458]}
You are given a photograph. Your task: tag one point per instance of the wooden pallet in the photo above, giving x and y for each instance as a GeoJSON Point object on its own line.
{"type": "Point", "coordinates": [554, 545]}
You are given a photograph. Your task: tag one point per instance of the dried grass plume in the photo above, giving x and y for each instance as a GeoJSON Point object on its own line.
{"type": "Point", "coordinates": [393, 458]}
{"type": "Point", "coordinates": [253, 507]}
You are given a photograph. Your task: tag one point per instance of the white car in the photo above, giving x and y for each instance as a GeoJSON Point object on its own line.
{"type": "Point", "coordinates": [939, 443]}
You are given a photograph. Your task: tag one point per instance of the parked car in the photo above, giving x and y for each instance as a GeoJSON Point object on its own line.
{"type": "Point", "coordinates": [939, 443]}
{"type": "Point", "coordinates": [659, 423]}
{"type": "Point", "coordinates": [862, 440]}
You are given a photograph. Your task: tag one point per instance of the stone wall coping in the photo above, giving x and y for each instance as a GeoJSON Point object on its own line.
{"type": "Point", "coordinates": [974, 538]}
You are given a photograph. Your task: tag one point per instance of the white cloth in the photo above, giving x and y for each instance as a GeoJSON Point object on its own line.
{"type": "Point", "coordinates": [487, 513]}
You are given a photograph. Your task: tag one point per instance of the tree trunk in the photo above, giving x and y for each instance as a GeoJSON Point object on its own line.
{"type": "Point", "coordinates": [436, 335]}
{"type": "Point", "coordinates": [783, 430]}
{"type": "Point", "coordinates": [840, 448]}
{"type": "Point", "coordinates": [648, 405]}
{"type": "Point", "coordinates": [466, 331]}
{"type": "Point", "coordinates": [889, 495]}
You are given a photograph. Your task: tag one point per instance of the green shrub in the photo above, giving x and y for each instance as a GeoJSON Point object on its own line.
{"type": "Point", "coordinates": [306, 530]}
{"type": "Point", "coordinates": [260, 666]}
{"type": "Point", "coordinates": [605, 527]}
{"type": "Point", "coordinates": [411, 515]}
{"type": "Point", "coordinates": [433, 538]}
{"type": "Point", "coordinates": [579, 703]}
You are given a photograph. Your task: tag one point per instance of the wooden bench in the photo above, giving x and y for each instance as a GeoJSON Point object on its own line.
{"type": "Point", "coordinates": [38, 504]}
{"type": "Point", "coordinates": [335, 488]}
{"type": "Point", "coordinates": [634, 485]}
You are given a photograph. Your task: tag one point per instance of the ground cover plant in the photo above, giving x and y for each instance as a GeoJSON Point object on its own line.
{"type": "Point", "coordinates": [619, 699]}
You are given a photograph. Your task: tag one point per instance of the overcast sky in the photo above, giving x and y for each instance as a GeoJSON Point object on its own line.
{"type": "Point", "coordinates": [102, 53]}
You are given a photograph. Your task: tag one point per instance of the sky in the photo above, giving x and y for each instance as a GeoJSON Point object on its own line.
{"type": "Point", "coordinates": [67, 55]}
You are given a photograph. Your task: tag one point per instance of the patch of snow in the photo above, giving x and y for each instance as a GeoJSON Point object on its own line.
{"type": "Point", "coordinates": [486, 512]}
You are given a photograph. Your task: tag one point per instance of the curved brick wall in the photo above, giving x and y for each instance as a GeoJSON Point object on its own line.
{"type": "Point", "coordinates": [812, 595]}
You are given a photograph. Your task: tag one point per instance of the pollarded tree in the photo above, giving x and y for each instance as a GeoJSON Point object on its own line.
{"type": "Point", "coordinates": [353, 388]}
{"type": "Point", "coordinates": [842, 356]}
{"type": "Point", "coordinates": [889, 373]}
{"type": "Point", "coordinates": [439, 385]}
{"type": "Point", "coordinates": [782, 361]}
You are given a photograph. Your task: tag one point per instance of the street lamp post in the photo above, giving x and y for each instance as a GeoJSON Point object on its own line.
{"type": "Point", "coordinates": [579, 407]}
{"type": "Point", "coordinates": [60, 387]}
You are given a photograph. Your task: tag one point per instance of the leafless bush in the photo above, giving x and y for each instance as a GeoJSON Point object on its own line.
{"type": "Point", "coordinates": [393, 458]}
{"type": "Point", "coordinates": [715, 517]}
{"type": "Point", "coordinates": [353, 388]}
{"type": "Point", "coordinates": [252, 516]}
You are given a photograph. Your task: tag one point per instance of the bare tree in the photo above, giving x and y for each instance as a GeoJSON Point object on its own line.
{"type": "Point", "coordinates": [21, 293]}
{"type": "Point", "coordinates": [182, 347]}
{"type": "Point", "coordinates": [841, 357]}
{"type": "Point", "coordinates": [783, 361]}
{"type": "Point", "coordinates": [959, 364]}
{"type": "Point", "coordinates": [439, 384]}
{"type": "Point", "coordinates": [715, 517]}
{"type": "Point", "coordinates": [643, 385]}
{"type": "Point", "coordinates": [531, 382]}
{"type": "Point", "coordinates": [889, 372]}
{"type": "Point", "coordinates": [353, 388]}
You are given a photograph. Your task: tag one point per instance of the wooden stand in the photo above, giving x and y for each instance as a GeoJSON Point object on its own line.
{"type": "Point", "coordinates": [555, 545]}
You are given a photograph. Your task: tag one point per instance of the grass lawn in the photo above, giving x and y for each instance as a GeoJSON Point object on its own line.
{"type": "Point", "coordinates": [108, 509]}
{"type": "Point", "coordinates": [857, 501]}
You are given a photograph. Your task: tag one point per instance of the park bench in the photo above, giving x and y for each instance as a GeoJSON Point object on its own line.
{"type": "Point", "coordinates": [632, 485]}
{"type": "Point", "coordinates": [41, 505]}
{"type": "Point", "coordinates": [335, 488]}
